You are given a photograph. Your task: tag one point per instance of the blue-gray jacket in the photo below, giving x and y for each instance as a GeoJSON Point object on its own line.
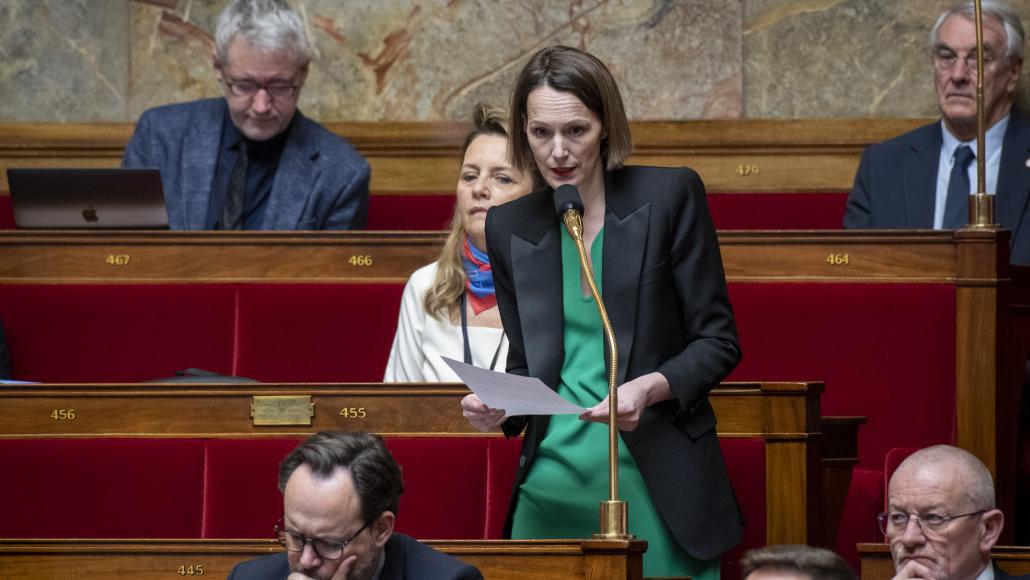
{"type": "Point", "coordinates": [321, 182]}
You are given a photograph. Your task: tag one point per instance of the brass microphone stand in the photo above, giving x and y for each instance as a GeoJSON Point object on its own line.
{"type": "Point", "coordinates": [981, 204]}
{"type": "Point", "coordinates": [614, 513]}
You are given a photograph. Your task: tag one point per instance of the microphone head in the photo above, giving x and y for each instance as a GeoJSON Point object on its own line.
{"type": "Point", "coordinates": [566, 197]}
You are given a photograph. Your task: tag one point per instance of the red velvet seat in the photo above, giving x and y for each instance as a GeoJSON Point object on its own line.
{"type": "Point", "coordinates": [880, 348]}
{"type": "Point", "coordinates": [456, 487]}
{"type": "Point", "coordinates": [101, 488]}
{"type": "Point", "coordinates": [410, 211]}
{"type": "Point", "coordinates": [745, 462]}
{"type": "Point", "coordinates": [6, 213]}
{"type": "Point", "coordinates": [316, 332]}
{"type": "Point", "coordinates": [116, 333]}
{"type": "Point", "coordinates": [241, 486]}
{"type": "Point", "coordinates": [778, 211]}
{"type": "Point", "coordinates": [858, 522]}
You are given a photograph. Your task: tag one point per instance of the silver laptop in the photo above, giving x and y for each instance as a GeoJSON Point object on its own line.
{"type": "Point", "coordinates": [88, 198]}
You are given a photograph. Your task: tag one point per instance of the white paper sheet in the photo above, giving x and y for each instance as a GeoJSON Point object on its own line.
{"type": "Point", "coordinates": [515, 394]}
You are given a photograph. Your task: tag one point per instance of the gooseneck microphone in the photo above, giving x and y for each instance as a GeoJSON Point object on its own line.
{"type": "Point", "coordinates": [614, 513]}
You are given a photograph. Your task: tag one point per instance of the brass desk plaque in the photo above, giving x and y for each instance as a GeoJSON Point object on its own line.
{"type": "Point", "coordinates": [282, 410]}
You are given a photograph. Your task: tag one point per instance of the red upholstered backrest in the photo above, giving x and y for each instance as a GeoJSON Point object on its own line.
{"type": "Point", "coordinates": [745, 462]}
{"type": "Point", "coordinates": [858, 521]}
{"type": "Point", "coordinates": [444, 486]}
{"type": "Point", "coordinates": [411, 211]}
{"type": "Point", "coordinates": [455, 487]}
{"type": "Point", "coordinates": [116, 333]}
{"type": "Point", "coordinates": [502, 457]}
{"type": "Point", "coordinates": [882, 350]}
{"type": "Point", "coordinates": [241, 486]}
{"type": "Point", "coordinates": [269, 332]}
{"type": "Point", "coordinates": [6, 212]}
{"type": "Point", "coordinates": [316, 332]}
{"type": "Point", "coordinates": [778, 211]}
{"type": "Point", "coordinates": [730, 211]}
{"type": "Point", "coordinates": [890, 464]}
{"type": "Point", "coordinates": [101, 488]}
{"type": "Point", "coordinates": [452, 485]}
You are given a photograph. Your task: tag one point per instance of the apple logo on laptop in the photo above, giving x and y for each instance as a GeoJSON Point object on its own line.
{"type": "Point", "coordinates": [90, 215]}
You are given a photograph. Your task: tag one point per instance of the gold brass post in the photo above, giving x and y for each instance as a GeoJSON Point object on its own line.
{"type": "Point", "coordinates": [981, 204]}
{"type": "Point", "coordinates": [614, 513]}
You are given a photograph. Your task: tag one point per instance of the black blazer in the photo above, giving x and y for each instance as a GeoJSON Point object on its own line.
{"type": "Point", "coordinates": [406, 559]}
{"type": "Point", "coordinates": [896, 184]}
{"type": "Point", "coordinates": [663, 284]}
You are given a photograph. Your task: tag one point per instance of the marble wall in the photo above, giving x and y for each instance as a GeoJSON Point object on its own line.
{"type": "Point", "coordinates": [411, 60]}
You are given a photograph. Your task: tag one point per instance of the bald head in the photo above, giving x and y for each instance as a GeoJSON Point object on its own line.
{"type": "Point", "coordinates": [968, 476]}
{"type": "Point", "coordinates": [941, 520]}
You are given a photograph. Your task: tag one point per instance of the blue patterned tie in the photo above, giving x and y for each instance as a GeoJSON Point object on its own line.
{"type": "Point", "coordinates": [956, 210]}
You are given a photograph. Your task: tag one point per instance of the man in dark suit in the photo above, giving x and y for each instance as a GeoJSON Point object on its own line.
{"type": "Point", "coordinates": [922, 178]}
{"type": "Point", "coordinates": [340, 496]}
{"type": "Point", "coordinates": [941, 520]}
{"type": "Point", "coordinates": [251, 160]}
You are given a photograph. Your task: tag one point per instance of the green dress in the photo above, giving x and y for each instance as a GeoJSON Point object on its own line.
{"type": "Point", "coordinates": [569, 476]}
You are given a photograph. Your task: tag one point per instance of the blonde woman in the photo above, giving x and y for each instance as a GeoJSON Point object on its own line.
{"type": "Point", "coordinates": [448, 307]}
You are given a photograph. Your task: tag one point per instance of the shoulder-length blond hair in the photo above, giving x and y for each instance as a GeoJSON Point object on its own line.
{"type": "Point", "coordinates": [442, 297]}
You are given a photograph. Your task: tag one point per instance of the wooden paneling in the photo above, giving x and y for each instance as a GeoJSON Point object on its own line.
{"type": "Point", "coordinates": [123, 559]}
{"type": "Point", "coordinates": [877, 563]}
{"type": "Point", "coordinates": [776, 411]}
{"type": "Point", "coordinates": [731, 155]}
{"type": "Point", "coordinates": [83, 256]}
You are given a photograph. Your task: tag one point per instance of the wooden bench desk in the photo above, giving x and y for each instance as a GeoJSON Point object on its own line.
{"type": "Point", "coordinates": [121, 559]}
{"type": "Point", "coordinates": [877, 563]}
{"type": "Point", "coordinates": [785, 416]}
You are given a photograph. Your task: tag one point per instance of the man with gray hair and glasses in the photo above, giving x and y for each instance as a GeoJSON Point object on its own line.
{"type": "Point", "coordinates": [941, 521]}
{"type": "Point", "coordinates": [923, 178]}
{"type": "Point", "coordinates": [251, 160]}
{"type": "Point", "coordinates": [340, 496]}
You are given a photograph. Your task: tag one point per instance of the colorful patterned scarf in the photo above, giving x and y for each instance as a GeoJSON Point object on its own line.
{"type": "Point", "coordinates": [479, 278]}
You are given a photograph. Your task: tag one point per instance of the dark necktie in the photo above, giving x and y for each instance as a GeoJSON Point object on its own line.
{"type": "Point", "coordinates": [956, 209]}
{"type": "Point", "coordinates": [236, 192]}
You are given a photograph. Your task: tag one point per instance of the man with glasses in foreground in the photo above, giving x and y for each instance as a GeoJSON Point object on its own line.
{"type": "Point", "coordinates": [340, 496]}
{"type": "Point", "coordinates": [942, 521]}
{"type": "Point", "coordinates": [923, 178]}
{"type": "Point", "coordinates": [251, 160]}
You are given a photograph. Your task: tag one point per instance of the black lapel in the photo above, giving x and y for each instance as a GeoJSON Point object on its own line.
{"type": "Point", "coordinates": [1014, 174]}
{"type": "Point", "coordinates": [625, 237]}
{"type": "Point", "coordinates": [536, 267]}
{"type": "Point", "coordinates": [920, 168]}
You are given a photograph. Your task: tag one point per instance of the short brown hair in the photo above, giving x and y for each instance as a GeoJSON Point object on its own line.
{"type": "Point", "coordinates": [377, 477]}
{"type": "Point", "coordinates": [817, 563]}
{"type": "Point", "coordinates": [570, 70]}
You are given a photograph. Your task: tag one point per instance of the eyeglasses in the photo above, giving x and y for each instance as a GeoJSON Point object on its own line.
{"type": "Point", "coordinates": [328, 549]}
{"type": "Point", "coordinates": [944, 60]}
{"type": "Point", "coordinates": [895, 522]}
{"type": "Point", "coordinates": [249, 89]}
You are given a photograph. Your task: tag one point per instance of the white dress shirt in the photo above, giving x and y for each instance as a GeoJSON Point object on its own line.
{"type": "Point", "coordinates": [995, 136]}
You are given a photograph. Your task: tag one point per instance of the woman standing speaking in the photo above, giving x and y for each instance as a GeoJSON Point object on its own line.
{"type": "Point", "coordinates": [655, 256]}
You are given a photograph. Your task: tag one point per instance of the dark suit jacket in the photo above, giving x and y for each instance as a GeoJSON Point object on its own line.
{"type": "Point", "coordinates": [406, 559]}
{"type": "Point", "coordinates": [321, 182]}
{"type": "Point", "coordinates": [896, 184]}
{"type": "Point", "coordinates": [663, 284]}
